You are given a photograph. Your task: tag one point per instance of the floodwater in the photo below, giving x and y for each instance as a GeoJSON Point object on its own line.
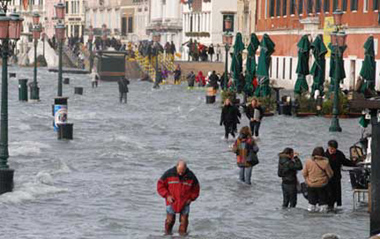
{"type": "Point", "coordinates": [102, 184]}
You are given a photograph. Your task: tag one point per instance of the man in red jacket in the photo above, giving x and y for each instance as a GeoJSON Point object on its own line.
{"type": "Point", "coordinates": [179, 187]}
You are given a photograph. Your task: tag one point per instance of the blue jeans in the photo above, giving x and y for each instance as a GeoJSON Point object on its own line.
{"type": "Point", "coordinates": [245, 174]}
{"type": "Point", "coordinates": [185, 210]}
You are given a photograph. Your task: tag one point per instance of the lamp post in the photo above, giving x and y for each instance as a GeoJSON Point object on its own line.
{"type": "Point", "coordinates": [156, 40]}
{"type": "Point", "coordinates": [10, 31]}
{"type": "Point", "coordinates": [90, 39]}
{"type": "Point", "coordinates": [338, 42]}
{"type": "Point", "coordinates": [60, 34]}
{"type": "Point", "coordinates": [34, 90]}
{"type": "Point", "coordinates": [227, 41]}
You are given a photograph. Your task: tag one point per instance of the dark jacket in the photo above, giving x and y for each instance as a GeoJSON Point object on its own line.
{"type": "Point", "coordinates": [335, 187]}
{"type": "Point", "coordinates": [230, 115]}
{"type": "Point", "coordinates": [211, 50]}
{"type": "Point", "coordinates": [287, 168]}
{"type": "Point", "coordinates": [213, 81]}
{"type": "Point", "coordinates": [181, 188]}
{"type": "Point", "coordinates": [177, 74]}
{"type": "Point", "coordinates": [336, 161]}
{"type": "Point", "coordinates": [250, 110]}
{"type": "Point", "coordinates": [123, 85]}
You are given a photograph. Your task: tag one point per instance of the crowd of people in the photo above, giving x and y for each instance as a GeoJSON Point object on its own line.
{"type": "Point", "coordinates": [197, 51]}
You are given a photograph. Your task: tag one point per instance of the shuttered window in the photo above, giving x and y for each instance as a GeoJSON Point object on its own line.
{"type": "Point", "coordinates": [300, 7]}
{"type": "Point", "coordinates": [292, 7]}
{"type": "Point", "coordinates": [278, 8]}
{"type": "Point", "coordinates": [376, 5]}
{"type": "Point", "coordinates": [317, 5]}
{"type": "Point", "coordinates": [284, 6]}
{"type": "Point", "coordinates": [344, 5]}
{"type": "Point", "coordinates": [309, 6]}
{"type": "Point", "coordinates": [271, 8]}
{"type": "Point", "coordinates": [326, 6]}
{"type": "Point", "coordinates": [354, 5]}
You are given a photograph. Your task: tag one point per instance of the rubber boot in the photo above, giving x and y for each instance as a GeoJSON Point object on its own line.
{"type": "Point", "coordinates": [169, 223]}
{"type": "Point", "coordinates": [183, 226]}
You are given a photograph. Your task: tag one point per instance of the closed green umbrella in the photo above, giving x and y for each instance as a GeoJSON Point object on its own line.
{"type": "Point", "coordinates": [251, 65]}
{"type": "Point", "coordinates": [266, 50]}
{"type": "Point", "coordinates": [237, 59]}
{"type": "Point", "coordinates": [318, 69]}
{"type": "Point", "coordinates": [341, 74]}
{"type": "Point", "coordinates": [368, 71]}
{"type": "Point", "coordinates": [302, 65]}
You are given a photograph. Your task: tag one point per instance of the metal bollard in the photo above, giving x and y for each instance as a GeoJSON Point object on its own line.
{"type": "Point", "coordinates": [66, 81]}
{"type": "Point", "coordinates": [12, 75]}
{"type": "Point", "coordinates": [64, 130]}
{"type": "Point", "coordinates": [78, 90]}
{"type": "Point", "coordinates": [210, 95]}
{"type": "Point", "coordinates": [22, 90]}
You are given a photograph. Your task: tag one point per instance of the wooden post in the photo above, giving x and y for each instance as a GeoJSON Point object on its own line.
{"type": "Point", "coordinates": [375, 173]}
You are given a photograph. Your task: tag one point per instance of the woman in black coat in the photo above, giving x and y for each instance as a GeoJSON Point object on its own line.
{"type": "Point", "coordinates": [336, 160]}
{"type": "Point", "coordinates": [230, 118]}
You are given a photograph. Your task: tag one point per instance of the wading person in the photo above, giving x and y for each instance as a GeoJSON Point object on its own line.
{"type": "Point", "coordinates": [336, 160]}
{"type": "Point", "coordinates": [94, 79]}
{"type": "Point", "coordinates": [190, 79]}
{"type": "Point", "coordinates": [288, 165]}
{"type": "Point", "coordinates": [255, 114]}
{"type": "Point", "coordinates": [317, 172]}
{"type": "Point", "coordinates": [229, 118]}
{"type": "Point", "coordinates": [246, 154]}
{"type": "Point", "coordinates": [179, 187]}
{"type": "Point", "coordinates": [123, 89]}
{"type": "Point", "coordinates": [177, 75]}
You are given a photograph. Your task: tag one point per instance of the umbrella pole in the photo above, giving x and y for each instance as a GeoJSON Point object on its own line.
{"type": "Point", "coordinates": [335, 127]}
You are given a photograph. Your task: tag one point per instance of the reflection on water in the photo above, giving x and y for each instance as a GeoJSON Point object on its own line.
{"type": "Point", "coordinates": [103, 183]}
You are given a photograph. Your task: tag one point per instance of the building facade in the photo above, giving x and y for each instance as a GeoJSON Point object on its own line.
{"type": "Point", "coordinates": [286, 22]}
{"type": "Point", "coordinates": [75, 18]}
{"type": "Point", "coordinates": [166, 18]}
{"type": "Point", "coordinates": [203, 20]}
{"type": "Point", "coordinates": [246, 18]}
{"type": "Point", "coordinates": [134, 19]}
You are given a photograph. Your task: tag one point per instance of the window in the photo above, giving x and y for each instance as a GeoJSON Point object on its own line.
{"type": "Point", "coordinates": [284, 6]}
{"type": "Point", "coordinates": [290, 67]}
{"type": "Point", "coordinates": [292, 7]}
{"type": "Point", "coordinates": [191, 23]}
{"type": "Point", "coordinates": [326, 6]}
{"type": "Point", "coordinates": [335, 5]}
{"type": "Point", "coordinates": [124, 26]}
{"type": "Point", "coordinates": [354, 5]}
{"type": "Point", "coordinates": [317, 5]}
{"type": "Point", "coordinates": [309, 6]}
{"type": "Point", "coordinates": [67, 7]}
{"type": "Point", "coordinates": [300, 7]}
{"type": "Point", "coordinates": [376, 5]}
{"type": "Point", "coordinates": [365, 7]}
{"type": "Point", "coordinates": [271, 8]}
{"type": "Point", "coordinates": [278, 8]}
{"type": "Point", "coordinates": [344, 5]}
{"type": "Point", "coordinates": [199, 23]}
{"type": "Point", "coordinates": [130, 24]}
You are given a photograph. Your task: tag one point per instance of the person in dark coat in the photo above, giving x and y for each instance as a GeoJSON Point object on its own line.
{"type": "Point", "coordinates": [213, 80]}
{"type": "Point", "coordinates": [230, 118]}
{"type": "Point", "coordinates": [123, 89]}
{"type": "Point", "coordinates": [288, 165]}
{"type": "Point", "coordinates": [336, 160]}
{"type": "Point", "coordinates": [177, 75]}
{"type": "Point", "coordinates": [211, 51]}
{"type": "Point", "coordinates": [254, 118]}
{"type": "Point", "coordinates": [190, 79]}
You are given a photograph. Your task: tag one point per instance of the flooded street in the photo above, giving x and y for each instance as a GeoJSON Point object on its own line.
{"type": "Point", "coordinates": [102, 184]}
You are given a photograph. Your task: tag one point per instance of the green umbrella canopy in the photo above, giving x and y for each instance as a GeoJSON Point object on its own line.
{"type": "Point", "coordinates": [266, 50]}
{"type": "Point", "coordinates": [302, 65]}
{"type": "Point", "coordinates": [341, 74]}
{"type": "Point", "coordinates": [237, 59]}
{"type": "Point", "coordinates": [368, 71]}
{"type": "Point", "coordinates": [319, 66]}
{"type": "Point", "coordinates": [251, 64]}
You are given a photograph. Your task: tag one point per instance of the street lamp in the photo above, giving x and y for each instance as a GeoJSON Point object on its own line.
{"type": "Point", "coordinates": [34, 90]}
{"type": "Point", "coordinates": [156, 40]}
{"type": "Point", "coordinates": [10, 31]}
{"type": "Point", "coordinates": [90, 39]}
{"type": "Point", "coordinates": [338, 42]}
{"type": "Point", "coordinates": [227, 41]}
{"type": "Point", "coordinates": [60, 35]}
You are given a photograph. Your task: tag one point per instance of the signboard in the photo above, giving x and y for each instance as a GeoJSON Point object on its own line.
{"type": "Point", "coordinates": [60, 115]}
{"type": "Point", "coordinates": [327, 29]}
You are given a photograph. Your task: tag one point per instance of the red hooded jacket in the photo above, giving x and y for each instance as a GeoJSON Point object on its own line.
{"type": "Point", "coordinates": [181, 188]}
